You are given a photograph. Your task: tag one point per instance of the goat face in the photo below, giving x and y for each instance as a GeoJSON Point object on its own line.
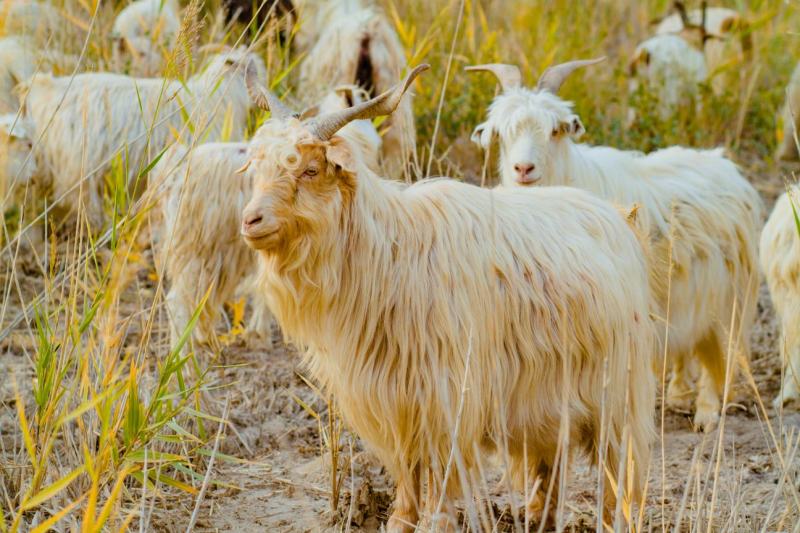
{"type": "Point", "coordinates": [300, 186]}
{"type": "Point", "coordinates": [531, 127]}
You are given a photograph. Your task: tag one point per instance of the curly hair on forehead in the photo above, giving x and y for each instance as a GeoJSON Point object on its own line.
{"type": "Point", "coordinates": [279, 143]}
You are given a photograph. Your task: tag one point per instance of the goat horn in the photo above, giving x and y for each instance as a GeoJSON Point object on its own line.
{"type": "Point", "coordinates": [681, 9]}
{"type": "Point", "coordinates": [554, 76]}
{"type": "Point", "coordinates": [325, 126]}
{"type": "Point", "coordinates": [509, 76]}
{"type": "Point", "coordinates": [263, 97]}
{"type": "Point", "coordinates": [703, 32]}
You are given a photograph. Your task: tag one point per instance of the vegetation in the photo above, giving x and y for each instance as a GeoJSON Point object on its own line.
{"type": "Point", "coordinates": [102, 421]}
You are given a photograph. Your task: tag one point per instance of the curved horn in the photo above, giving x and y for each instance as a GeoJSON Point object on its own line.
{"type": "Point", "coordinates": [704, 36]}
{"type": "Point", "coordinates": [509, 76]}
{"type": "Point", "coordinates": [263, 97]}
{"type": "Point", "coordinates": [680, 7]}
{"type": "Point", "coordinates": [325, 126]}
{"type": "Point", "coordinates": [554, 76]}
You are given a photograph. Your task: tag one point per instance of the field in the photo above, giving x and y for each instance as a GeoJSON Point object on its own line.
{"type": "Point", "coordinates": [104, 425]}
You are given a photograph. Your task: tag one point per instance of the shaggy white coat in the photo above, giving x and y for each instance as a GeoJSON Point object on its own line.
{"type": "Point", "coordinates": [398, 292]}
{"type": "Point", "coordinates": [780, 262]}
{"type": "Point", "coordinates": [97, 116]}
{"type": "Point", "coordinates": [201, 199]}
{"type": "Point", "coordinates": [696, 208]}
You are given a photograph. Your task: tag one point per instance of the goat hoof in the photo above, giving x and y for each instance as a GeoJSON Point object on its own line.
{"type": "Point", "coordinates": [706, 420]}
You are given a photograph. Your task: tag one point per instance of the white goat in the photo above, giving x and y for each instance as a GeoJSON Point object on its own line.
{"type": "Point", "coordinates": [790, 119]}
{"type": "Point", "coordinates": [348, 42]}
{"type": "Point", "coordinates": [780, 262]}
{"type": "Point", "coordinates": [96, 117]}
{"type": "Point", "coordinates": [202, 197]}
{"type": "Point", "coordinates": [671, 68]}
{"type": "Point", "coordinates": [419, 302]}
{"type": "Point", "coordinates": [145, 30]}
{"type": "Point", "coordinates": [701, 215]}
{"type": "Point", "coordinates": [726, 37]}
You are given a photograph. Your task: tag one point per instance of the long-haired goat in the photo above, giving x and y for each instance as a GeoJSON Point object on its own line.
{"type": "Point", "coordinates": [516, 309]}
{"type": "Point", "coordinates": [790, 117]}
{"type": "Point", "coordinates": [725, 38]}
{"type": "Point", "coordinates": [701, 216]}
{"type": "Point", "coordinates": [87, 120]}
{"type": "Point", "coordinates": [671, 69]}
{"type": "Point", "coordinates": [356, 44]}
{"type": "Point", "coordinates": [144, 31]}
{"type": "Point", "coordinates": [780, 262]}
{"type": "Point", "coordinates": [201, 198]}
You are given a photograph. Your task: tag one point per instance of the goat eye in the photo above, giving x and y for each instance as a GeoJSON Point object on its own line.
{"type": "Point", "coordinates": [310, 172]}
{"type": "Point", "coordinates": [555, 133]}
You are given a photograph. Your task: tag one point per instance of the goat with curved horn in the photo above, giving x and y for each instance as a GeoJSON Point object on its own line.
{"type": "Point", "coordinates": [509, 76]}
{"type": "Point", "coordinates": [263, 97]}
{"type": "Point", "coordinates": [554, 76]}
{"type": "Point", "coordinates": [325, 126]}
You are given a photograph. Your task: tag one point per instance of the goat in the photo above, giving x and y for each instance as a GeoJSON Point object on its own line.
{"type": "Point", "coordinates": [700, 214]}
{"type": "Point", "coordinates": [407, 298]}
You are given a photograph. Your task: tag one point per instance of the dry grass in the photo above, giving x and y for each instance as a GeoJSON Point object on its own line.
{"type": "Point", "coordinates": [103, 425]}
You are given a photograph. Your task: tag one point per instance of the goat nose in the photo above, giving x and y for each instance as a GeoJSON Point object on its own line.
{"type": "Point", "coordinates": [523, 169]}
{"type": "Point", "coordinates": [253, 218]}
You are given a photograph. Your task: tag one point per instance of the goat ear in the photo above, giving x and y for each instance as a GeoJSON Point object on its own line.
{"type": "Point", "coordinates": [641, 56]}
{"type": "Point", "coordinates": [338, 153]}
{"type": "Point", "coordinates": [730, 24]}
{"type": "Point", "coordinates": [572, 127]}
{"type": "Point", "coordinates": [482, 135]}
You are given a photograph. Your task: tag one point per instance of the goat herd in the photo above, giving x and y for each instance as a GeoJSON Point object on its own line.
{"type": "Point", "coordinates": [533, 310]}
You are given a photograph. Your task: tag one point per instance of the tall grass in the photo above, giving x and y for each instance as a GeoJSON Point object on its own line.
{"type": "Point", "coordinates": [108, 420]}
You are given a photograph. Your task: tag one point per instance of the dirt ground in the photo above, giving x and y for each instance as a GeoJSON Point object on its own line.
{"type": "Point", "coordinates": [283, 482]}
{"type": "Point", "coordinates": [277, 478]}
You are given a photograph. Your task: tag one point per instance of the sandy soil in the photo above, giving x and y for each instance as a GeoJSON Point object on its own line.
{"type": "Point", "coordinates": [284, 484]}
